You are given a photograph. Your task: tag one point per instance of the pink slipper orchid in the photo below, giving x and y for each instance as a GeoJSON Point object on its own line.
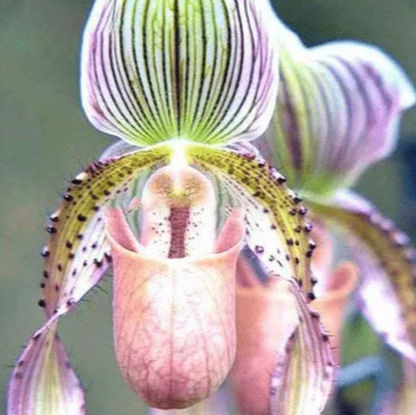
{"type": "Point", "coordinates": [186, 84]}
{"type": "Point", "coordinates": [338, 113]}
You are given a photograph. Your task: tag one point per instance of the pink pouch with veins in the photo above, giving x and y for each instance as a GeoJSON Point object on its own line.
{"type": "Point", "coordinates": [174, 293]}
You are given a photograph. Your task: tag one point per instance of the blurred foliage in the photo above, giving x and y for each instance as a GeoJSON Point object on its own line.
{"type": "Point", "coordinates": [45, 139]}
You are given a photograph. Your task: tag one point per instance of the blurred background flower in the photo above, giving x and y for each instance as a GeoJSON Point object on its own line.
{"type": "Point", "coordinates": [45, 138]}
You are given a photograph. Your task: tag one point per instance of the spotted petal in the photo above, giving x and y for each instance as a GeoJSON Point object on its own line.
{"type": "Point", "coordinates": [386, 267]}
{"type": "Point", "coordinates": [338, 111]}
{"type": "Point", "coordinates": [277, 230]}
{"type": "Point", "coordinates": [203, 70]}
{"type": "Point", "coordinates": [76, 257]}
{"type": "Point", "coordinates": [279, 236]}
{"type": "Point", "coordinates": [304, 375]}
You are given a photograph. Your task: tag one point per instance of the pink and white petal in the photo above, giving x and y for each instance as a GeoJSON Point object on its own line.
{"type": "Point", "coordinates": [117, 149]}
{"type": "Point", "coordinates": [43, 381]}
{"type": "Point", "coordinates": [304, 375]}
{"type": "Point", "coordinates": [338, 112]}
{"type": "Point", "coordinates": [156, 70]}
{"type": "Point", "coordinates": [276, 227]}
{"type": "Point", "coordinates": [386, 269]}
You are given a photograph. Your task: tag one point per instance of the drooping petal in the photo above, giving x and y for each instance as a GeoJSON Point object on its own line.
{"type": "Point", "coordinates": [173, 318]}
{"type": "Point", "coordinates": [202, 70]}
{"type": "Point", "coordinates": [303, 379]}
{"type": "Point", "coordinates": [266, 318]}
{"type": "Point", "coordinates": [76, 258]}
{"type": "Point", "coordinates": [338, 111]}
{"type": "Point", "coordinates": [283, 364]}
{"type": "Point", "coordinates": [277, 231]}
{"type": "Point", "coordinates": [77, 252]}
{"type": "Point", "coordinates": [386, 269]}
{"type": "Point", "coordinates": [43, 382]}
{"type": "Point", "coordinates": [332, 305]}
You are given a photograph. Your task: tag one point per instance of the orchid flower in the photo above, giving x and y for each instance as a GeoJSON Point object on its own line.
{"type": "Point", "coordinates": [186, 85]}
{"type": "Point", "coordinates": [338, 112]}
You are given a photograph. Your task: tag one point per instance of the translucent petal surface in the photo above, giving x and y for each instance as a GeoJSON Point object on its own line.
{"type": "Point", "coordinates": [338, 111]}
{"type": "Point", "coordinates": [203, 70]}
{"type": "Point", "coordinates": [386, 268]}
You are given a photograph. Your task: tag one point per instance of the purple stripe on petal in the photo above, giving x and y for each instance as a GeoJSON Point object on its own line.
{"type": "Point", "coordinates": [204, 71]}
{"type": "Point", "coordinates": [352, 95]}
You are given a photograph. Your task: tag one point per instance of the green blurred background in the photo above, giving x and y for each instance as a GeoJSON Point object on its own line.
{"type": "Point", "coordinates": [45, 139]}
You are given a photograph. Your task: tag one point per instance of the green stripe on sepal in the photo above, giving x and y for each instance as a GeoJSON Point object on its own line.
{"type": "Point", "coordinates": [202, 70]}
{"type": "Point", "coordinates": [387, 268]}
{"type": "Point", "coordinates": [277, 230]}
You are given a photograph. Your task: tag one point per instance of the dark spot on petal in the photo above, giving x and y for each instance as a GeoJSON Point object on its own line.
{"type": "Point", "coordinates": [303, 211]}
{"type": "Point", "coordinates": [259, 249]}
{"type": "Point", "coordinates": [308, 228]}
{"type": "Point", "coordinates": [297, 200]}
{"type": "Point", "coordinates": [98, 263]}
